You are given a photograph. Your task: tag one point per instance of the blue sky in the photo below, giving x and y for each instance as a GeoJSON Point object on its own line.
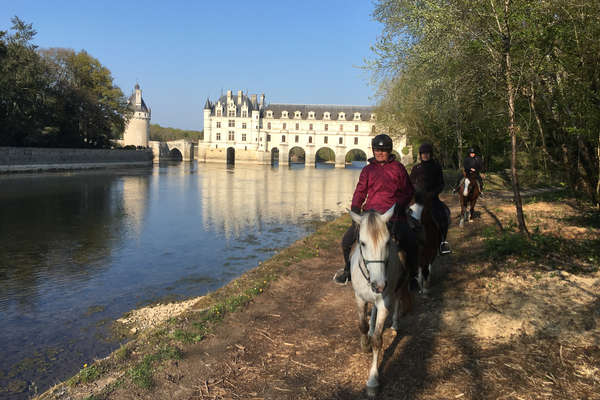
{"type": "Point", "coordinates": [182, 52]}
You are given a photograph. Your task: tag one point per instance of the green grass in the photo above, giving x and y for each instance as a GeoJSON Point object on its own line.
{"type": "Point", "coordinates": [500, 245]}
{"type": "Point", "coordinates": [142, 374]}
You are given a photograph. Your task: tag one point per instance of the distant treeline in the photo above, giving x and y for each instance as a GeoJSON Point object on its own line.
{"type": "Point", "coordinates": [55, 97]}
{"type": "Point", "coordinates": [163, 134]}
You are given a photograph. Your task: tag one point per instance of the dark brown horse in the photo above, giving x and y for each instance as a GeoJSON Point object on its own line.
{"type": "Point", "coordinates": [429, 240]}
{"type": "Point", "coordinates": [468, 192]}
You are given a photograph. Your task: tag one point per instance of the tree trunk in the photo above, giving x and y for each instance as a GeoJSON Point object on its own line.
{"type": "Point", "coordinates": [511, 116]}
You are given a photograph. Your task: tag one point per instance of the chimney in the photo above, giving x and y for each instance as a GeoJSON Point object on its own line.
{"type": "Point", "coordinates": [262, 99]}
{"type": "Point", "coordinates": [138, 95]}
{"type": "Point", "coordinates": [253, 99]}
{"type": "Point", "coordinates": [239, 97]}
{"type": "Point", "coordinates": [228, 96]}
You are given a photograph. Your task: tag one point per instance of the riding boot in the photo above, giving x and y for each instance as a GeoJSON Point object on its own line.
{"type": "Point", "coordinates": [343, 276]}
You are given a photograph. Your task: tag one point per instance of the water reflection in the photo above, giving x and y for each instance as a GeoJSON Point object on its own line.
{"type": "Point", "coordinates": [80, 249]}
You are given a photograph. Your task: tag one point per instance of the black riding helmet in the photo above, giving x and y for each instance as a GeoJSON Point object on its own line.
{"type": "Point", "coordinates": [382, 142]}
{"type": "Point", "coordinates": [426, 148]}
{"type": "Point", "coordinates": [472, 150]}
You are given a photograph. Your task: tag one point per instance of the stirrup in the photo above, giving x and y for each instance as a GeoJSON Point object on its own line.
{"type": "Point", "coordinates": [447, 251]}
{"type": "Point", "coordinates": [339, 273]}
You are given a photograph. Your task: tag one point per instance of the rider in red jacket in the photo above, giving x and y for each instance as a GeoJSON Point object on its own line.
{"type": "Point", "coordinates": [382, 183]}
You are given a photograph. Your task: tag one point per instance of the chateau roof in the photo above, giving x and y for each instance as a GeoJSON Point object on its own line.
{"type": "Point", "coordinates": [320, 110]}
{"type": "Point", "coordinates": [132, 106]}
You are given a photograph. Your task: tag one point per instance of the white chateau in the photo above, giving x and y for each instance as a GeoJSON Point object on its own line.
{"type": "Point", "coordinates": [137, 131]}
{"type": "Point", "coordinates": [242, 129]}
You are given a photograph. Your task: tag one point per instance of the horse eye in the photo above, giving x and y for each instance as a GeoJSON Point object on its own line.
{"type": "Point", "coordinates": [362, 243]}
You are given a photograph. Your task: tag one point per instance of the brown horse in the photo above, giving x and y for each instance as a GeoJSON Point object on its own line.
{"type": "Point", "coordinates": [429, 238]}
{"type": "Point", "coordinates": [468, 192]}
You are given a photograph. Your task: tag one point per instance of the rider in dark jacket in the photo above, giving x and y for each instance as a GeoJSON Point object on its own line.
{"type": "Point", "coordinates": [382, 183]}
{"type": "Point", "coordinates": [472, 163]}
{"type": "Point", "coordinates": [428, 180]}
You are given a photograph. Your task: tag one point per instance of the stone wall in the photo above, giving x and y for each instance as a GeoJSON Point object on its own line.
{"type": "Point", "coordinates": [15, 159]}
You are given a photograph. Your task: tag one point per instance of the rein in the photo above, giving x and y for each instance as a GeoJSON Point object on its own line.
{"type": "Point", "coordinates": [367, 262]}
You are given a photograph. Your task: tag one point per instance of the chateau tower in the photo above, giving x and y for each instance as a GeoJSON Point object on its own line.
{"type": "Point", "coordinates": [137, 132]}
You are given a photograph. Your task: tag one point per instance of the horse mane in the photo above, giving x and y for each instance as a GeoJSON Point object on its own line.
{"type": "Point", "coordinates": [376, 228]}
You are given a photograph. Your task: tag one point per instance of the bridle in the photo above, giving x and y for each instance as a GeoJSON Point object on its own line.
{"type": "Point", "coordinates": [366, 262]}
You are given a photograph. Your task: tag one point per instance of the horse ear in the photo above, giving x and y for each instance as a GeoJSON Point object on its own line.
{"type": "Point", "coordinates": [355, 217]}
{"type": "Point", "coordinates": [388, 214]}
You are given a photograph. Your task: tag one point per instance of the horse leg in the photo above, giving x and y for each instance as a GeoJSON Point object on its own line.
{"type": "Point", "coordinates": [377, 342]}
{"type": "Point", "coordinates": [396, 312]}
{"type": "Point", "coordinates": [362, 324]}
{"type": "Point", "coordinates": [372, 321]}
{"type": "Point", "coordinates": [462, 213]}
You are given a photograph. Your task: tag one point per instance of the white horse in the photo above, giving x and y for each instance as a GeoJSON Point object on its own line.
{"type": "Point", "coordinates": [379, 277]}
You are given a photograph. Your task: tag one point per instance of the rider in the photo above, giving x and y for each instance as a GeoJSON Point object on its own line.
{"type": "Point", "coordinates": [382, 183]}
{"type": "Point", "coordinates": [427, 178]}
{"type": "Point", "coordinates": [472, 163]}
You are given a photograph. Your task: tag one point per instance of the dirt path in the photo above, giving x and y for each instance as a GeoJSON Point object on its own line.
{"type": "Point", "coordinates": [484, 332]}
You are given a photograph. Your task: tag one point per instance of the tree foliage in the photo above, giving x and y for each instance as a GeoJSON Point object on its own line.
{"type": "Point", "coordinates": [164, 134]}
{"type": "Point", "coordinates": [55, 97]}
{"type": "Point", "coordinates": [510, 77]}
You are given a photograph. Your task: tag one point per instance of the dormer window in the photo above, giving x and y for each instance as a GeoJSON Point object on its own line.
{"type": "Point", "coordinates": [372, 117]}
{"type": "Point", "coordinates": [341, 115]}
{"type": "Point", "coordinates": [311, 115]}
{"type": "Point", "coordinates": [284, 114]}
{"type": "Point", "coordinates": [219, 112]}
{"type": "Point", "coordinates": [326, 115]}
{"type": "Point", "coordinates": [297, 115]}
{"type": "Point", "coordinates": [269, 114]}
{"type": "Point", "coordinates": [357, 116]}
{"type": "Point", "coordinates": [244, 113]}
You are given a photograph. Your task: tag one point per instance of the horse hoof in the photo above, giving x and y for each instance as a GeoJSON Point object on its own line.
{"type": "Point", "coordinates": [372, 390]}
{"type": "Point", "coordinates": [365, 344]}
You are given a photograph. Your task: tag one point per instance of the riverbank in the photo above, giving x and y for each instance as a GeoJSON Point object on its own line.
{"type": "Point", "coordinates": [505, 319]}
{"type": "Point", "coordinates": [34, 159]}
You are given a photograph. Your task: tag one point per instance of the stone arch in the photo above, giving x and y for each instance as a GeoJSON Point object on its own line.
{"type": "Point", "coordinates": [274, 156]}
{"type": "Point", "coordinates": [175, 154]}
{"type": "Point", "coordinates": [325, 156]}
{"type": "Point", "coordinates": [356, 158]}
{"type": "Point", "coordinates": [297, 155]}
{"type": "Point", "coordinates": [230, 156]}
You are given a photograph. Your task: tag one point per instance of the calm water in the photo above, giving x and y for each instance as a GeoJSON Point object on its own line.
{"type": "Point", "coordinates": [77, 250]}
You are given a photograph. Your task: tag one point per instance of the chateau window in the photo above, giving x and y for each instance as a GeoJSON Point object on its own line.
{"type": "Point", "coordinates": [231, 113]}
{"type": "Point", "coordinates": [325, 139]}
{"type": "Point", "coordinates": [355, 140]}
{"type": "Point", "coordinates": [218, 137]}
{"type": "Point", "coordinates": [326, 127]}
{"type": "Point", "coordinates": [268, 138]}
{"type": "Point", "coordinates": [284, 114]}
{"type": "Point", "coordinates": [269, 114]}
{"type": "Point", "coordinates": [244, 125]}
{"type": "Point", "coordinates": [297, 126]}
{"type": "Point", "coordinates": [372, 117]}
{"type": "Point", "coordinates": [341, 141]}
{"type": "Point", "coordinates": [219, 113]}
{"type": "Point", "coordinates": [284, 126]}
{"type": "Point", "coordinates": [245, 114]}
{"type": "Point", "coordinates": [218, 124]}
{"type": "Point", "coordinates": [326, 115]}
{"type": "Point", "coordinates": [282, 138]}
{"type": "Point", "coordinates": [310, 139]}
{"type": "Point", "coordinates": [268, 125]}
{"type": "Point", "coordinates": [297, 114]}
{"type": "Point", "coordinates": [311, 115]}
{"type": "Point", "coordinates": [341, 128]}
{"type": "Point", "coordinates": [310, 127]}
{"type": "Point", "coordinates": [357, 116]}
{"type": "Point", "coordinates": [231, 123]}
{"type": "Point", "coordinates": [355, 128]}
{"type": "Point", "coordinates": [243, 137]}
{"type": "Point", "coordinates": [231, 135]}
{"type": "Point", "coordinates": [341, 116]}
{"type": "Point", "coordinates": [373, 129]}
{"type": "Point", "coordinates": [297, 138]}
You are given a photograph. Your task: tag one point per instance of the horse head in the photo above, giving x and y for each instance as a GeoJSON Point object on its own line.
{"type": "Point", "coordinates": [374, 246]}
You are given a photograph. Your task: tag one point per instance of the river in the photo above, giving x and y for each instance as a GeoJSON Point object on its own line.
{"type": "Point", "coordinates": [79, 249]}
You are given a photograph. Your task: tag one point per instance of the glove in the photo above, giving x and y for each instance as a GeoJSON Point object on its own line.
{"type": "Point", "coordinates": [356, 210]}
